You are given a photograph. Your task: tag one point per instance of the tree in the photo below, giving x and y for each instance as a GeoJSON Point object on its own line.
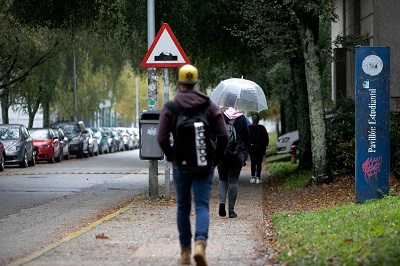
{"type": "Point", "coordinates": [23, 49]}
{"type": "Point", "coordinates": [291, 28]}
{"type": "Point", "coordinates": [309, 16]}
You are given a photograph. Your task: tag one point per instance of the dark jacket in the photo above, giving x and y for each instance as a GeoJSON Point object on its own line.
{"type": "Point", "coordinates": [189, 99]}
{"type": "Point", "coordinates": [259, 139]}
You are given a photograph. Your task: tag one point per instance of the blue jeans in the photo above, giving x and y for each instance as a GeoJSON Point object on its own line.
{"type": "Point", "coordinates": [201, 186]}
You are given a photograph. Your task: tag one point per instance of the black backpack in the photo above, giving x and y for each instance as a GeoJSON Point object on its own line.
{"type": "Point", "coordinates": [192, 140]}
{"type": "Point", "coordinates": [233, 143]}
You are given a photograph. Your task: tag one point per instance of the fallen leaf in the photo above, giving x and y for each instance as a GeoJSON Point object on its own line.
{"type": "Point", "coordinates": [102, 236]}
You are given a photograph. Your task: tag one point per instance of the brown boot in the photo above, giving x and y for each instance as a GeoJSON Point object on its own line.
{"type": "Point", "coordinates": [184, 258]}
{"type": "Point", "coordinates": [200, 252]}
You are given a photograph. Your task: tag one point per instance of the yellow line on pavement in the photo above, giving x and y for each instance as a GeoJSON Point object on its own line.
{"type": "Point", "coordinates": [69, 237]}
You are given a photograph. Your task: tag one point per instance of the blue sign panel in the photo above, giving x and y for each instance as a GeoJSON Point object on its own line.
{"type": "Point", "coordinates": [372, 122]}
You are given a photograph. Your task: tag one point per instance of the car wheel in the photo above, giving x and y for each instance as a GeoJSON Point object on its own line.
{"type": "Point", "coordinates": [33, 161]}
{"type": "Point", "coordinates": [80, 151]}
{"type": "Point", "coordinates": [66, 156]}
{"type": "Point", "coordinates": [2, 159]}
{"type": "Point", "coordinates": [59, 158]}
{"type": "Point", "coordinates": [87, 153]}
{"type": "Point", "coordinates": [24, 162]}
{"type": "Point", "coordinates": [52, 159]}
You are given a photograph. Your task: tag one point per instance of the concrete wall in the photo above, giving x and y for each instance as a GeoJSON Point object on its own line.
{"type": "Point", "coordinates": [386, 30]}
{"type": "Point", "coordinates": [380, 21]}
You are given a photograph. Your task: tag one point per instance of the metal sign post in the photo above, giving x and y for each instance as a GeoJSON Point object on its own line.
{"type": "Point", "coordinates": [372, 122]}
{"type": "Point", "coordinates": [152, 94]}
{"type": "Point", "coordinates": [167, 164]}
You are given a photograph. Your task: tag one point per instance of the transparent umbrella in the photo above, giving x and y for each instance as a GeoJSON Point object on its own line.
{"type": "Point", "coordinates": [241, 94]}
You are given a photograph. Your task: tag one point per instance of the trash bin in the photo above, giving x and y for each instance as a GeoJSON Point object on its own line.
{"type": "Point", "coordinates": [149, 148]}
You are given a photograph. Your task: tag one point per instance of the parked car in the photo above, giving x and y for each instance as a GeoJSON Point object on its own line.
{"type": "Point", "coordinates": [119, 142]}
{"type": "Point", "coordinates": [102, 139]}
{"type": "Point", "coordinates": [2, 156]}
{"type": "Point", "coordinates": [134, 136]}
{"type": "Point", "coordinates": [47, 145]}
{"type": "Point", "coordinates": [77, 135]}
{"type": "Point", "coordinates": [112, 144]}
{"type": "Point", "coordinates": [128, 139]}
{"type": "Point", "coordinates": [93, 145]}
{"type": "Point", "coordinates": [18, 144]}
{"type": "Point", "coordinates": [136, 131]}
{"type": "Point", "coordinates": [286, 141]}
{"type": "Point", "coordinates": [63, 141]}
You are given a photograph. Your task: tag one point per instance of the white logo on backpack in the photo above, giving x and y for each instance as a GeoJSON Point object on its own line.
{"type": "Point", "coordinates": [201, 151]}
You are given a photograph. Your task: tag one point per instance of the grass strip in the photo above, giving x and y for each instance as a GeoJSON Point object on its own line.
{"type": "Point", "coordinates": [353, 234]}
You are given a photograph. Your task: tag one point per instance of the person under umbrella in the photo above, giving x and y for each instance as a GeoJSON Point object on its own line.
{"type": "Point", "coordinates": [231, 165]}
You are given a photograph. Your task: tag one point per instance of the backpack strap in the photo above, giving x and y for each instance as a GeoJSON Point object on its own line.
{"type": "Point", "coordinates": [175, 108]}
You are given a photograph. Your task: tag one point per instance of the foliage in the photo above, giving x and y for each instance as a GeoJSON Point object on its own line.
{"type": "Point", "coordinates": [350, 41]}
{"type": "Point", "coordinates": [351, 234]}
{"type": "Point", "coordinates": [288, 174]}
{"type": "Point", "coordinates": [23, 49]}
{"type": "Point", "coordinates": [72, 15]}
{"type": "Point", "coordinates": [341, 137]}
{"type": "Point", "coordinates": [126, 97]}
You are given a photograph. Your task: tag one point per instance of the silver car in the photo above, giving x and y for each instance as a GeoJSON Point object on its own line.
{"type": "Point", "coordinates": [18, 144]}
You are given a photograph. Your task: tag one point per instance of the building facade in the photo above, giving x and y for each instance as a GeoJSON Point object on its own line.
{"type": "Point", "coordinates": [368, 23]}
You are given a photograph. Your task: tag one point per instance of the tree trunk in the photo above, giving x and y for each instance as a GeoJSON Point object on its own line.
{"type": "Point", "coordinates": [315, 100]}
{"type": "Point", "coordinates": [46, 114]}
{"type": "Point", "coordinates": [5, 106]}
{"type": "Point", "coordinates": [303, 117]}
{"type": "Point", "coordinates": [33, 105]}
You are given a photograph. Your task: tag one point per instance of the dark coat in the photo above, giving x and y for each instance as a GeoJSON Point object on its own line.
{"type": "Point", "coordinates": [259, 139]}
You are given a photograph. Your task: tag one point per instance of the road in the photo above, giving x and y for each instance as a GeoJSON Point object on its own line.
{"type": "Point", "coordinates": [42, 204]}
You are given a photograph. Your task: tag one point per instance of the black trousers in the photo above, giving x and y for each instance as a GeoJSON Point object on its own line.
{"type": "Point", "coordinates": [256, 158]}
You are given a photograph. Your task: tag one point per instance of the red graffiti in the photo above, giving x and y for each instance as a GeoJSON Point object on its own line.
{"type": "Point", "coordinates": [371, 167]}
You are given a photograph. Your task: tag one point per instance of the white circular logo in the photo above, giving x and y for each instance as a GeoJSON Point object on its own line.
{"type": "Point", "coordinates": [372, 65]}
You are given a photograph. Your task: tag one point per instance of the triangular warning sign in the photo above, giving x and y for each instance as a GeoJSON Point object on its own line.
{"type": "Point", "coordinates": [165, 51]}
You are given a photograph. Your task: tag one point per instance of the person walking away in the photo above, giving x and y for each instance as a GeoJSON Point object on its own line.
{"type": "Point", "coordinates": [187, 178]}
{"type": "Point", "coordinates": [259, 141]}
{"type": "Point", "coordinates": [231, 165]}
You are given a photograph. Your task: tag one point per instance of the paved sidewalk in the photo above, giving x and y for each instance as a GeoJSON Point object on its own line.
{"type": "Point", "coordinates": [145, 233]}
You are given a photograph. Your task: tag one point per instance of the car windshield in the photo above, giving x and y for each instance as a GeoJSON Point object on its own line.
{"type": "Point", "coordinates": [9, 133]}
{"type": "Point", "coordinates": [107, 132]}
{"type": "Point", "coordinates": [97, 134]}
{"type": "Point", "coordinates": [71, 128]}
{"type": "Point", "coordinates": [39, 134]}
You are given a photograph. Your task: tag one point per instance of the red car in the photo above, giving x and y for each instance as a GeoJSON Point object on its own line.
{"type": "Point", "coordinates": [2, 156]}
{"type": "Point", "coordinates": [47, 145]}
